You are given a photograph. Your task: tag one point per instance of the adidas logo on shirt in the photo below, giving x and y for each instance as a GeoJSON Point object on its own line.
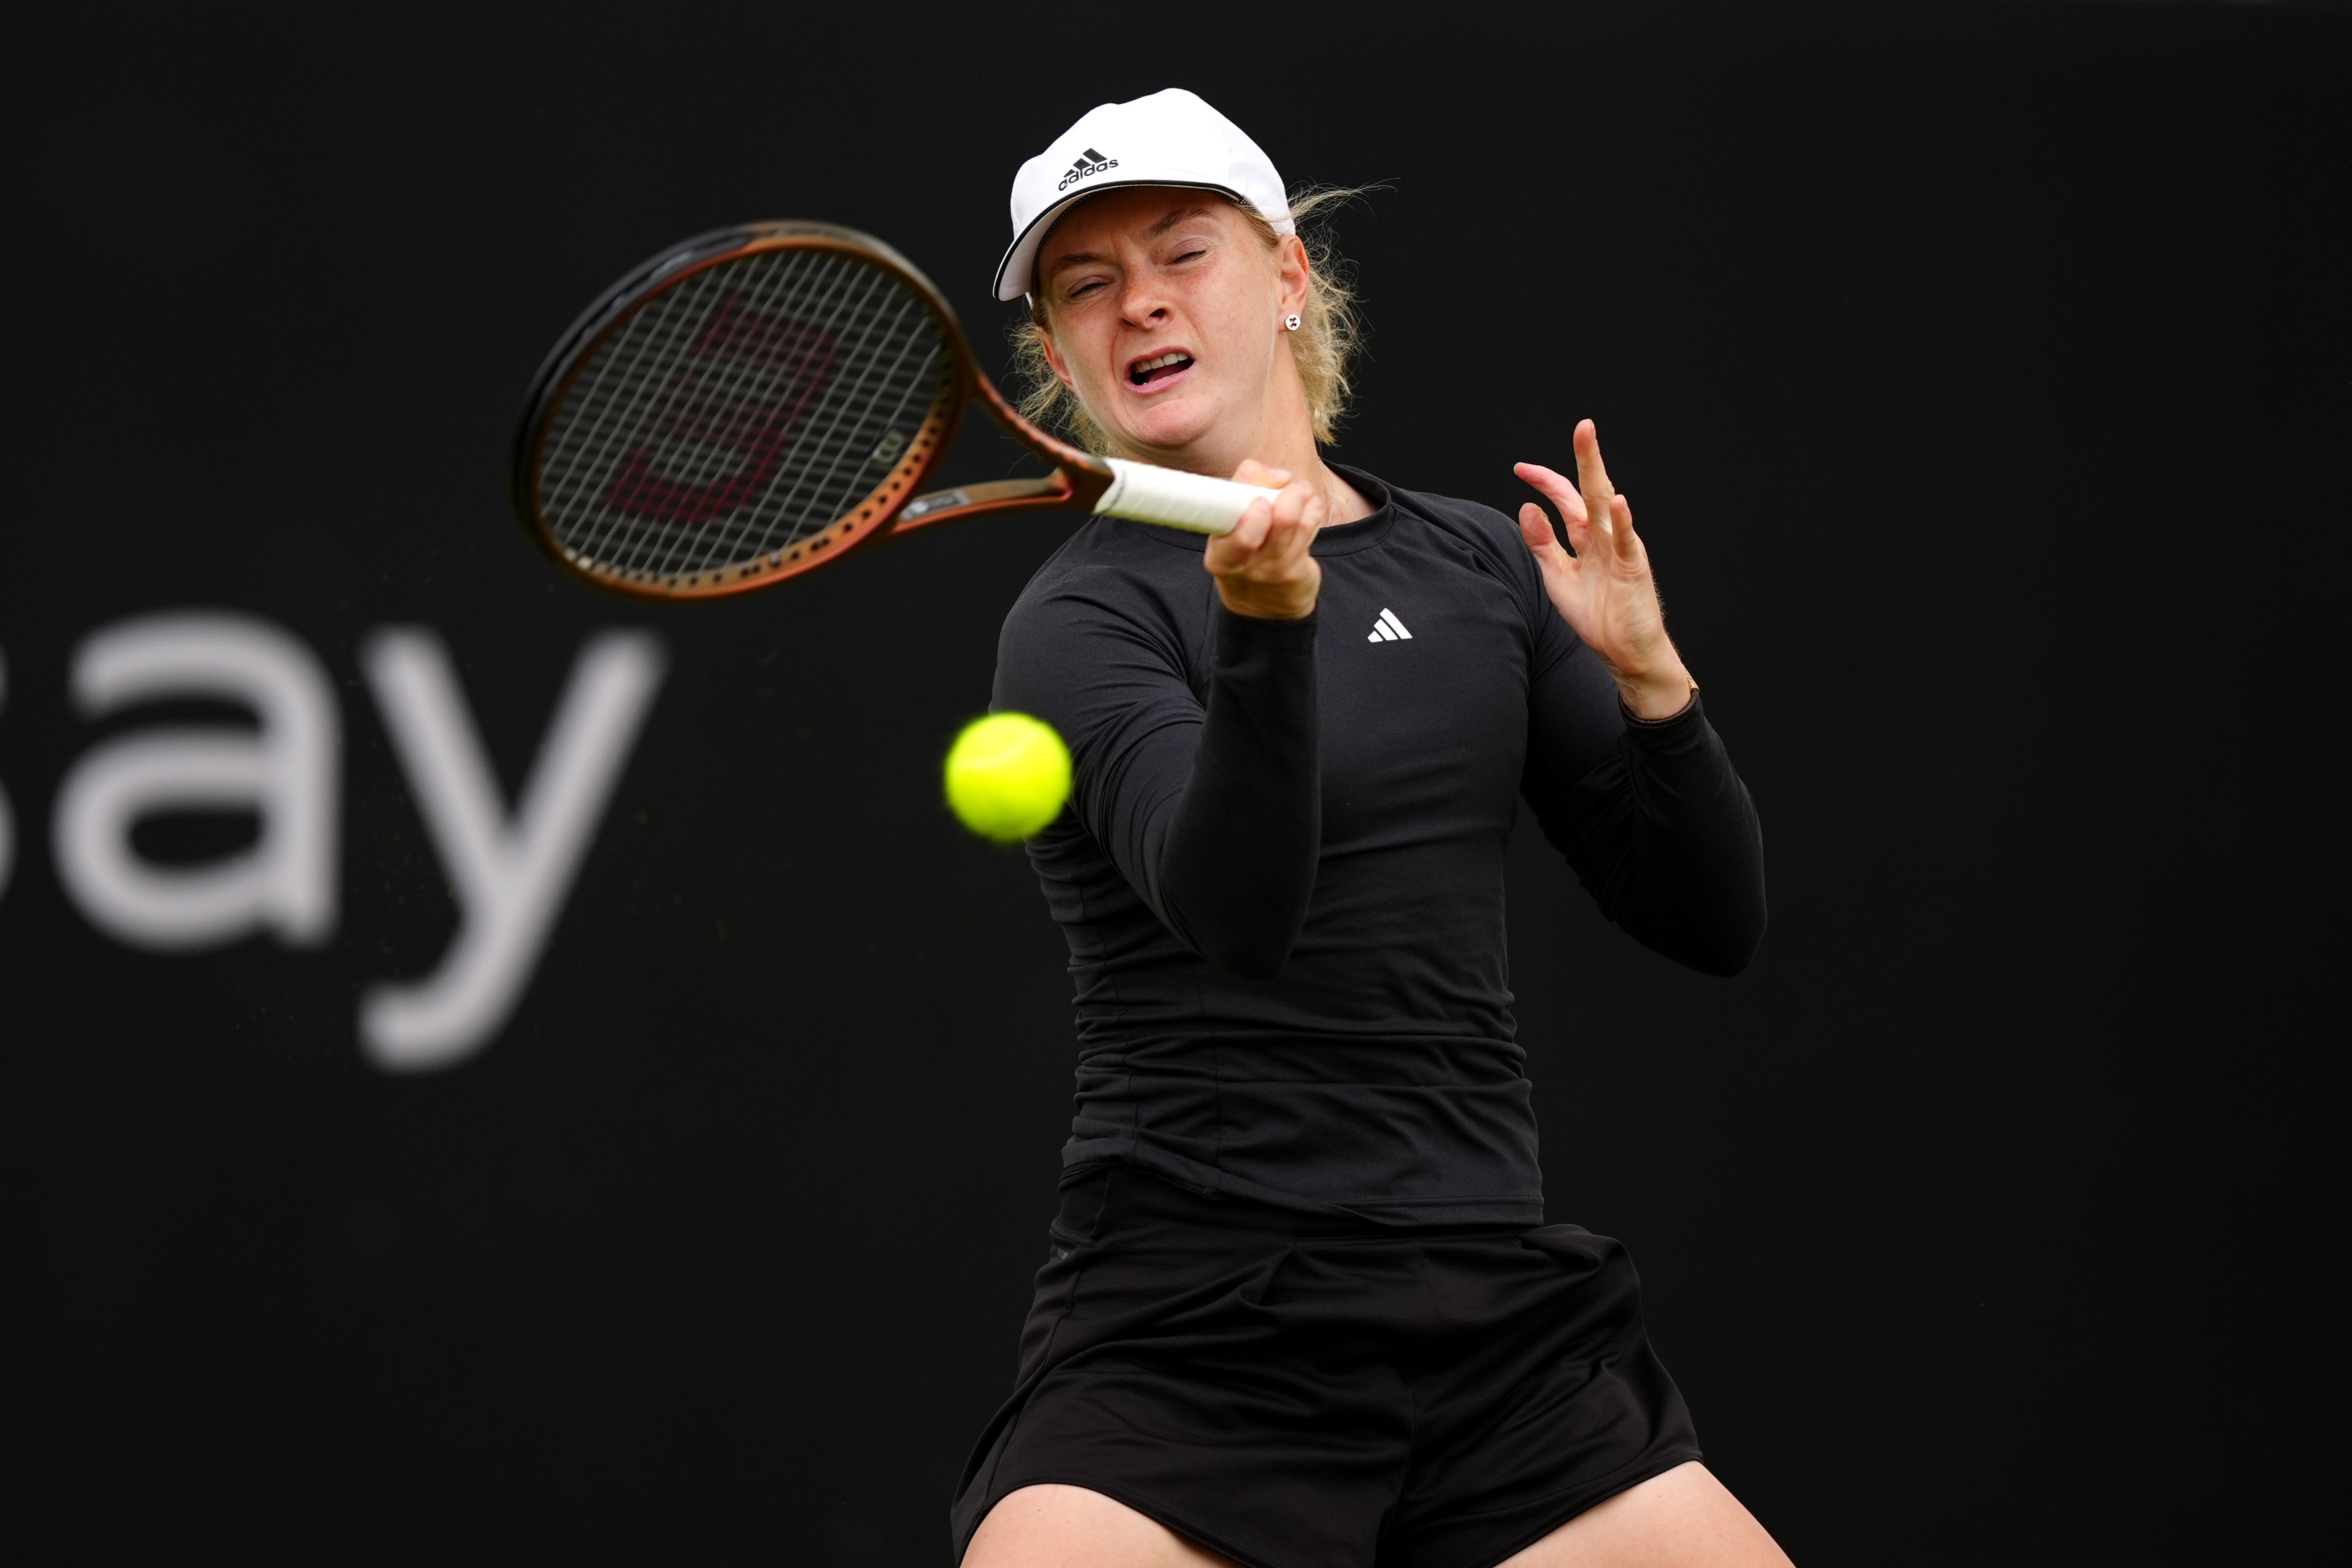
{"type": "Point", "coordinates": [1089, 163]}
{"type": "Point", "coordinates": [1388, 629]}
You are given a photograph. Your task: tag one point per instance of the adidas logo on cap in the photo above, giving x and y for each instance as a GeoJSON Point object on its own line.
{"type": "Point", "coordinates": [1089, 163]}
{"type": "Point", "coordinates": [1388, 629]}
{"type": "Point", "coordinates": [1165, 138]}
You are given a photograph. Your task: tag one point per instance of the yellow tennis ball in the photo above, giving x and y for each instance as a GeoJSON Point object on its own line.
{"type": "Point", "coordinates": [1008, 776]}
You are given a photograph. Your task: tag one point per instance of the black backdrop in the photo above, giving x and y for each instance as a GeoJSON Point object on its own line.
{"type": "Point", "coordinates": [1980, 373]}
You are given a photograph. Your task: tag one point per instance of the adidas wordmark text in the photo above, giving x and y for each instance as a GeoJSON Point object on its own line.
{"type": "Point", "coordinates": [1089, 163]}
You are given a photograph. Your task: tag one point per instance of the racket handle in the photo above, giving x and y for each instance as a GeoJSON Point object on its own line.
{"type": "Point", "coordinates": [1174, 499]}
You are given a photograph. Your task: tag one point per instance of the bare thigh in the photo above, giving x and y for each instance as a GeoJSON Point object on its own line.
{"type": "Point", "coordinates": [1070, 1527]}
{"type": "Point", "coordinates": [1683, 1518]}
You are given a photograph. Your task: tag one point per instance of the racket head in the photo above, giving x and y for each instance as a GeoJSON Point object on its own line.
{"type": "Point", "coordinates": [747, 405]}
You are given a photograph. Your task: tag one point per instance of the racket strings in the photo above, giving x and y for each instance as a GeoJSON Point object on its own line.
{"type": "Point", "coordinates": [809, 292]}
{"type": "Point", "coordinates": [653, 363]}
{"type": "Point", "coordinates": [837, 461]}
{"type": "Point", "coordinates": [615, 395]}
{"type": "Point", "coordinates": [851, 450]}
{"type": "Point", "coordinates": [739, 412]}
{"type": "Point", "coordinates": [775, 313]}
{"type": "Point", "coordinates": [826, 446]}
{"type": "Point", "coordinates": [782, 362]}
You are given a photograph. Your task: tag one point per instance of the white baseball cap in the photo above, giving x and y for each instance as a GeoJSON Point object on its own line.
{"type": "Point", "coordinates": [1171, 138]}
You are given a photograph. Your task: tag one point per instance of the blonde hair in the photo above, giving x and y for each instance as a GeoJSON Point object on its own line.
{"type": "Point", "coordinates": [1327, 341]}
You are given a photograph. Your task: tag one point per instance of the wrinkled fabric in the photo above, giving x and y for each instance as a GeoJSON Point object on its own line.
{"type": "Point", "coordinates": [1304, 1397]}
{"type": "Point", "coordinates": [1281, 872]}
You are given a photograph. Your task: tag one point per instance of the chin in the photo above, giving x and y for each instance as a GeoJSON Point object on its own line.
{"type": "Point", "coordinates": [1169, 429]}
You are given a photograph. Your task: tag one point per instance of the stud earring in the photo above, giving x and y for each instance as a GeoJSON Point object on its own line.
{"type": "Point", "coordinates": [1289, 323]}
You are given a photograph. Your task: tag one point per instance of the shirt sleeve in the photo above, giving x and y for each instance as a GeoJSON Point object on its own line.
{"type": "Point", "coordinates": [1212, 808]}
{"type": "Point", "coordinates": [1652, 815]}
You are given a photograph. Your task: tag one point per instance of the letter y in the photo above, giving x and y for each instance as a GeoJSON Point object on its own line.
{"type": "Point", "coordinates": [508, 877]}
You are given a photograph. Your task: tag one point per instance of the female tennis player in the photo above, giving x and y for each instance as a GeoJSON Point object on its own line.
{"type": "Point", "coordinates": [1301, 1307]}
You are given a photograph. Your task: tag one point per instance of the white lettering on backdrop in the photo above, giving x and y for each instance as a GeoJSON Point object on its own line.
{"type": "Point", "coordinates": [286, 775]}
{"type": "Point", "coordinates": [508, 872]}
{"type": "Point", "coordinates": [510, 875]}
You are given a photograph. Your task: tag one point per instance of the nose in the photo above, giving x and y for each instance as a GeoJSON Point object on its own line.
{"type": "Point", "coordinates": [1140, 302]}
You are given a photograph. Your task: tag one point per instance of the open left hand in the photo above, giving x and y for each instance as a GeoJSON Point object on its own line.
{"type": "Point", "coordinates": [1604, 591]}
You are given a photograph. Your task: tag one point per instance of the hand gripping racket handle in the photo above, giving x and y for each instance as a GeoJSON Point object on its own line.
{"type": "Point", "coordinates": [1174, 499]}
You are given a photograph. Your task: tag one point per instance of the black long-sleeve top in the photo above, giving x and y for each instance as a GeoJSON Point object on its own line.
{"type": "Point", "coordinates": [1281, 872]}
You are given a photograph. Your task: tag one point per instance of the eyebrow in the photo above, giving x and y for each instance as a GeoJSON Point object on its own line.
{"type": "Point", "coordinates": [1061, 264]}
{"type": "Point", "coordinates": [1172, 219]}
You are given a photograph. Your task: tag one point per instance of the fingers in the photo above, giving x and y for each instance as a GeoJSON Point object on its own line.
{"type": "Point", "coordinates": [1259, 523]}
{"type": "Point", "coordinates": [1556, 487]}
{"type": "Point", "coordinates": [1592, 480]}
{"type": "Point", "coordinates": [1251, 531]}
{"type": "Point", "coordinates": [1588, 467]}
{"type": "Point", "coordinates": [1558, 490]}
{"type": "Point", "coordinates": [1265, 565]}
{"type": "Point", "coordinates": [1298, 514]}
{"type": "Point", "coordinates": [1630, 554]}
{"type": "Point", "coordinates": [1589, 505]}
{"type": "Point", "coordinates": [1534, 532]}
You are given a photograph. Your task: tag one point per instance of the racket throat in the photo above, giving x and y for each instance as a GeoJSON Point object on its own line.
{"type": "Point", "coordinates": [1076, 491]}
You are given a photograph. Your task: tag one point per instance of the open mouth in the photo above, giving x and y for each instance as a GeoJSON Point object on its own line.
{"type": "Point", "coordinates": [1159, 368]}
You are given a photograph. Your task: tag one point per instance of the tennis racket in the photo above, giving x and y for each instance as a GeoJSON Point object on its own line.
{"type": "Point", "coordinates": [761, 401]}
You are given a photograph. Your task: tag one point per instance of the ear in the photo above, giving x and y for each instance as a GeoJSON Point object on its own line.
{"type": "Point", "coordinates": [1053, 356]}
{"type": "Point", "coordinates": [1291, 273]}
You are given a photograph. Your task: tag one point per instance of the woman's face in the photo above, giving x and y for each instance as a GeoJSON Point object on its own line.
{"type": "Point", "coordinates": [1163, 311]}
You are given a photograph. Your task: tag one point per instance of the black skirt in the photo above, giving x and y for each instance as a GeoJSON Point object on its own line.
{"type": "Point", "coordinates": [1298, 1395]}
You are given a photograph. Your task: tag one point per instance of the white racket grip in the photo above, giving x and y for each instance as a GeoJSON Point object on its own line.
{"type": "Point", "coordinates": [1174, 499]}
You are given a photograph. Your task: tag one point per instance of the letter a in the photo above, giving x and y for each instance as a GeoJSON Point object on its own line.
{"type": "Point", "coordinates": [509, 876]}
{"type": "Point", "coordinates": [286, 882]}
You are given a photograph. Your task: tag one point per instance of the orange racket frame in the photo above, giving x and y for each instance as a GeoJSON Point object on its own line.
{"type": "Point", "coordinates": [893, 508]}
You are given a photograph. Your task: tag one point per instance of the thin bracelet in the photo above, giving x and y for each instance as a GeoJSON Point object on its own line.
{"type": "Point", "coordinates": [1633, 718]}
